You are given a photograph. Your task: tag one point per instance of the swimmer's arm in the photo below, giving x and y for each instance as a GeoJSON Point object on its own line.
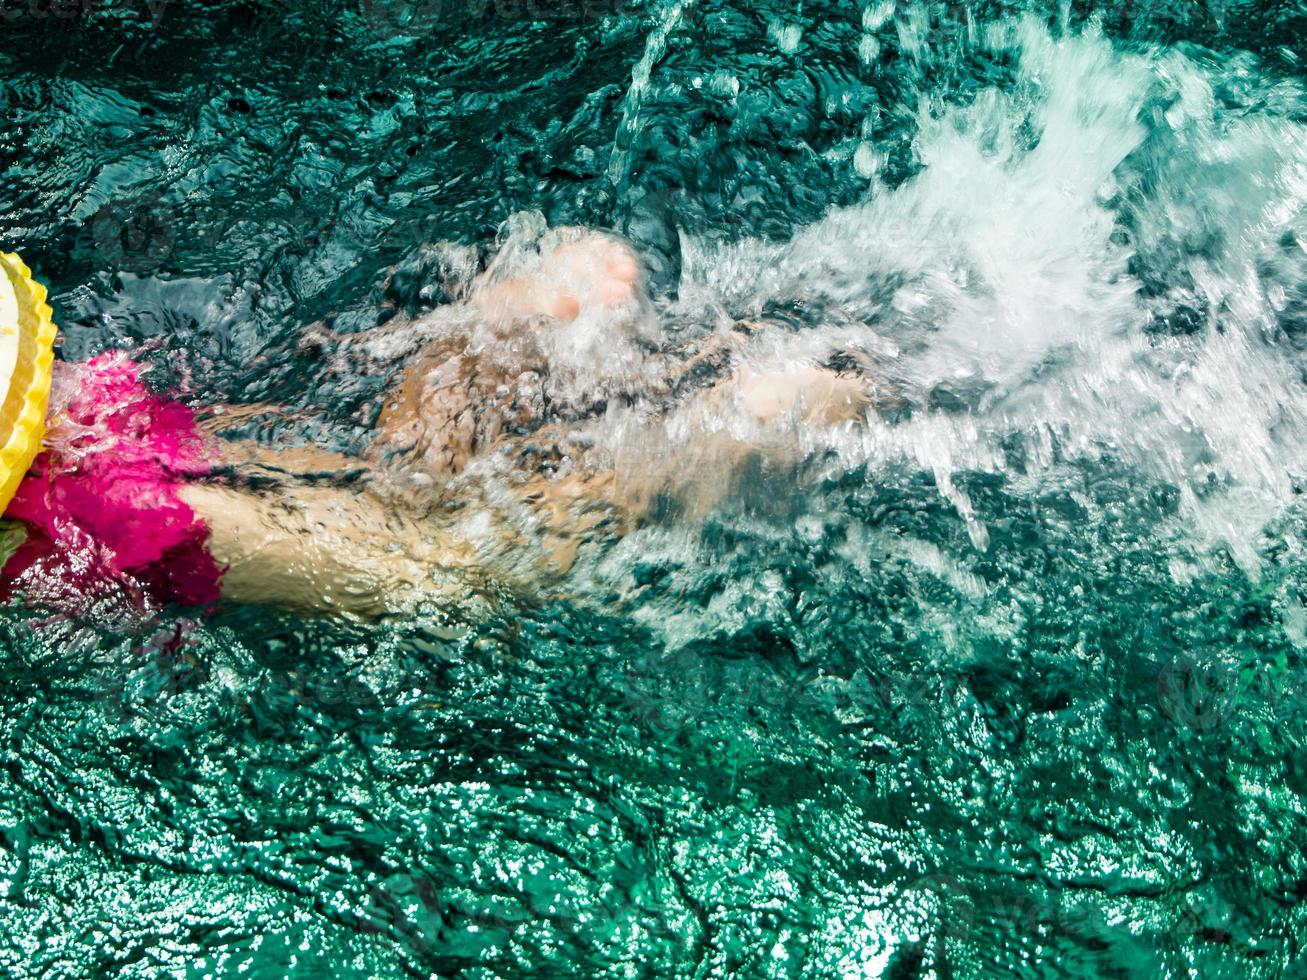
{"type": "Point", "coordinates": [812, 395]}
{"type": "Point", "coordinates": [702, 472]}
{"type": "Point", "coordinates": [329, 551]}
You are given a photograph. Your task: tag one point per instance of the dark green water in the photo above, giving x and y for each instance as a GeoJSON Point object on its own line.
{"type": "Point", "coordinates": [1009, 688]}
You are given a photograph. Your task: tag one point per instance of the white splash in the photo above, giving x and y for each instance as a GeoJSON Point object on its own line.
{"type": "Point", "coordinates": [1001, 275]}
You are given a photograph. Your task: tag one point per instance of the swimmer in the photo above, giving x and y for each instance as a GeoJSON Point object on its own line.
{"type": "Point", "coordinates": [131, 490]}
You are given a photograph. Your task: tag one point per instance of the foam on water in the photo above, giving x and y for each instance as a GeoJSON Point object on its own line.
{"type": "Point", "coordinates": [1097, 261]}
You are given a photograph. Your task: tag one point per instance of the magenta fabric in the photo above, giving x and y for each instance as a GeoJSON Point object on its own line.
{"type": "Point", "coordinates": [101, 503]}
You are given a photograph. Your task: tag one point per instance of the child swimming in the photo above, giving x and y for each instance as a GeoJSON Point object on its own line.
{"type": "Point", "coordinates": [554, 338]}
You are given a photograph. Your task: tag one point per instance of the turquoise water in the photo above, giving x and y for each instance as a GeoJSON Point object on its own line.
{"type": "Point", "coordinates": [1007, 684]}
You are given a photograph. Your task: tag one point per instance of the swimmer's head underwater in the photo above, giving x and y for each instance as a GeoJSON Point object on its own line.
{"type": "Point", "coordinates": [109, 486]}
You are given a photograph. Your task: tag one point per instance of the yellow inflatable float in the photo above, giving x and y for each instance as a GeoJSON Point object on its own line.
{"type": "Point", "coordinates": [27, 335]}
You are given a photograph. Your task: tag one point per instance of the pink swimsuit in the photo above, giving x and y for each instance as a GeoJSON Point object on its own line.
{"type": "Point", "coordinates": [102, 502]}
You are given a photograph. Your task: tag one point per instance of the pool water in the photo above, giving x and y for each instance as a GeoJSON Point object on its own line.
{"type": "Point", "coordinates": [1009, 684]}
